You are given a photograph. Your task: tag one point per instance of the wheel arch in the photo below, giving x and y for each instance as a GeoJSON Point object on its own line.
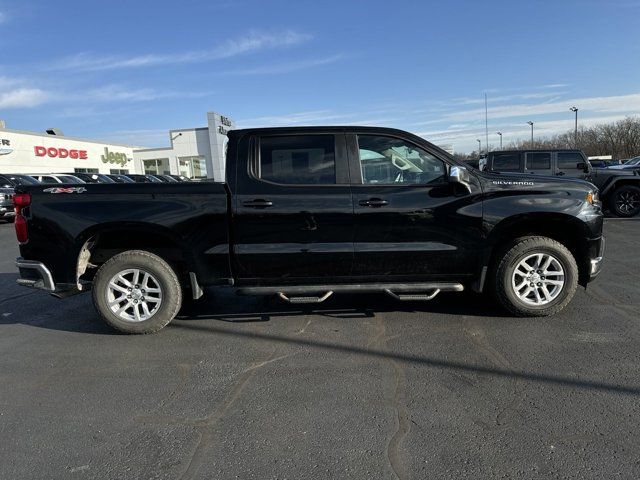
{"type": "Point", "coordinates": [565, 229]}
{"type": "Point", "coordinates": [96, 245]}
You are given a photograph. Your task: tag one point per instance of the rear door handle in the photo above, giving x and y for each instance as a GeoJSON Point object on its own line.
{"type": "Point", "coordinates": [373, 202]}
{"type": "Point", "coordinates": [258, 203]}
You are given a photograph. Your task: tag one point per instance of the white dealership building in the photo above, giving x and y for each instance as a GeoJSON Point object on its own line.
{"type": "Point", "coordinates": [193, 152]}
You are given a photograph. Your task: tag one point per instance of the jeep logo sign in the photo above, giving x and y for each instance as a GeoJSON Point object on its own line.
{"type": "Point", "coordinates": [112, 157]}
{"type": "Point", "coordinates": [5, 146]}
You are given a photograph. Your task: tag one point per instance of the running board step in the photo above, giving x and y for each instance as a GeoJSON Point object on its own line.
{"type": "Point", "coordinates": [320, 299]}
{"type": "Point", "coordinates": [413, 297]}
{"type": "Point", "coordinates": [319, 293]}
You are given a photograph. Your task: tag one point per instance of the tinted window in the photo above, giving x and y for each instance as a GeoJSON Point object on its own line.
{"type": "Point", "coordinates": [4, 182]}
{"type": "Point", "coordinates": [570, 161]}
{"type": "Point", "coordinates": [48, 179]}
{"type": "Point", "coordinates": [539, 161]}
{"type": "Point", "coordinates": [387, 160]}
{"type": "Point", "coordinates": [22, 180]}
{"type": "Point", "coordinates": [504, 162]}
{"type": "Point", "coordinates": [299, 159]}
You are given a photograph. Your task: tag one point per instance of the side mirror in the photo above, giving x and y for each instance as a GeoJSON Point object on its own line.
{"type": "Point", "coordinates": [460, 175]}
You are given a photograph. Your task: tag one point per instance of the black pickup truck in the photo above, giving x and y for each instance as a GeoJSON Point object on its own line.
{"type": "Point", "coordinates": [619, 189]}
{"type": "Point", "coordinates": [307, 212]}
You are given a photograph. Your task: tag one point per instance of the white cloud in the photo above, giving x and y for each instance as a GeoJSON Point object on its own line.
{"type": "Point", "coordinates": [3, 18]}
{"type": "Point", "coordinates": [620, 103]}
{"type": "Point", "coordinates": [285, 67]}
{"type": "Point", "coordinates": [119, 93]}
{"type": "Point", "coordinates": [250, 43]}
{"type": "Point", "coordinates": [22, 98]}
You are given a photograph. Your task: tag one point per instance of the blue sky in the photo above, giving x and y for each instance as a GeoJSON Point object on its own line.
{"type": "Point", "coordinates": [130, 71]}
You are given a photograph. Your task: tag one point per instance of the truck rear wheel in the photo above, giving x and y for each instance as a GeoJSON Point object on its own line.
{"type": "Point", "coordinates": [137, 292]}
{"type": "Point", "coordinates": [625, 201]}
{"type": "Point", "coordinates": [536, 277]}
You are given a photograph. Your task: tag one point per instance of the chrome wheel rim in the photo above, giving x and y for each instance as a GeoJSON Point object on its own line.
{"type": "Point", "coordinates": [538, 279]}
{"type": "Point", "coordinates": [134, 295]}
{"type": "Point", "coordinates": [627, 202]}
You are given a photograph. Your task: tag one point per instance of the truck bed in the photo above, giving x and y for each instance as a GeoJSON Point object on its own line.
{"type": "Point", "coordinates": [192, 216]}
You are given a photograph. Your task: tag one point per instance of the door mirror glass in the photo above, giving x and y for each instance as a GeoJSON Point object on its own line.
{"type": "Point", "coordinates": [460, 175]}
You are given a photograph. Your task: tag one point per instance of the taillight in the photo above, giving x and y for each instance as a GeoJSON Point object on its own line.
{"type": "Point", "coordinates": [22, 232]}
{"type": "Point", "coordinates": [21, 201]}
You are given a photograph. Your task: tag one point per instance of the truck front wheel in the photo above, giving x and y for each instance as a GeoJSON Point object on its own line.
{"type": "Point", "coordinates": [537, 276]}
{"type": "Point", "coordinates": [625, 201]}
{"type": "Point", "coordinates": [137, 292]}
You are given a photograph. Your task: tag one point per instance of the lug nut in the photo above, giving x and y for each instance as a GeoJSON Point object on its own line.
{"type": "Point", "coordinates": [128, 296]}
{"type": "Point", "coordinates": [137, 286]}
{"type": "Point", "coordinates": [531, 284]}
{"type": "Point", "coordinates": [135, 301]}
{"type": "Point", "coordinates": [542, 278]}
{"type": "Point", "coordinates": [539, 284]}
{"type": "Point", "coordinates": [142, 299]}
{"type": "Point", "coordinates": [142, 291]}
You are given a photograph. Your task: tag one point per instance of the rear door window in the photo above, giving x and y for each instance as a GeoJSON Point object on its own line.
{"type": "Point", "coordinates": [298, 159]}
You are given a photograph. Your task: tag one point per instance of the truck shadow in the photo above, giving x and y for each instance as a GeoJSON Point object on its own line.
{"type": "Point", "coordinates": [223, 305]}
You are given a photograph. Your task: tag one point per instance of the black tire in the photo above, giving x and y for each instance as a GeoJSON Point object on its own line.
{"type": "Point", "coordinates": [503, 287]}
{"type": "Point", "coordinates": [625, 201]}
{"type": "Point", "coordinates": [162, 275]}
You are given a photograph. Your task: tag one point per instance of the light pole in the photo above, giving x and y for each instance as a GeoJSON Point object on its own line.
{"type": "Point", "coordinates": [500, 133]}
{"type": "Point", "coordinates": [531, 123]}
{"type": "Point", "coordinates": [479, 147]}
{"type": "Point", "coordinates": [575, 132]}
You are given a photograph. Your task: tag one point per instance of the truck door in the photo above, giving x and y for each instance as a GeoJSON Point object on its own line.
{"type": "Point", "coordinates": [293, 212]}
{"type": "Point", "coordinates": [538, 163]}
{"type": "Point", "coordinates": [410, 222]}
{"type": "Point", "coordinates": [571, 164]}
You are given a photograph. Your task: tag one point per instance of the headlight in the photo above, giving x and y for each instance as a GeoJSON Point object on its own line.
{"type": "Point", "coordinates": [594, 199]}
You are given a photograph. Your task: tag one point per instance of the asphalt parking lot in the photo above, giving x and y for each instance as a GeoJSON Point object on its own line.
{"type": "Point", "coordinates": [362, 387]}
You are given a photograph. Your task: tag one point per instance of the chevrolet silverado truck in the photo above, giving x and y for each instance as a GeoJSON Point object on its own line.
{"type": "Point", "coordinates": [309, 212]}
{"type": "Point", "coordinates": [619, 189]}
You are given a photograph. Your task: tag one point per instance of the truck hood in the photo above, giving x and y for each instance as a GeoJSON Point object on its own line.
{"type": "Point", "coordinates": [516, 179]}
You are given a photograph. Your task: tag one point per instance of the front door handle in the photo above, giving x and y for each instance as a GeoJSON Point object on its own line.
{"type": "Point", "coordinates": [258, 203]}
{"type": "Point", "coordinates": [373, 202]}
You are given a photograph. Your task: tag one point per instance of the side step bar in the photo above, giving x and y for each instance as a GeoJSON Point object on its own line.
{"type": "Point", "coordinates": [319, 293]}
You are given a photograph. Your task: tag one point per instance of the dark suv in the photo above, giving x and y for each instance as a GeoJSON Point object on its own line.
{"type": "Point", "coordinates": [619, 189]}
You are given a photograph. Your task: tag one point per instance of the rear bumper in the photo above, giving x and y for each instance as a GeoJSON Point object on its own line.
{"type": "Point", "coordinates": [35, 275]}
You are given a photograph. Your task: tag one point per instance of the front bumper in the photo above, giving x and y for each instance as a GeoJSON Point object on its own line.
{"type": "Point", "coordinates": [595, 263]}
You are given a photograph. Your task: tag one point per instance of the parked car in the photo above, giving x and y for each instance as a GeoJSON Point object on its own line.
{"type": "Point", "coordinates": [181, 178]}
{"type": "Point", "coordinates": [631, 163]}
{"type": "Point", "coordinates": [120, 178]}
{"type": "Point", "coordinates": [7, 211]}
{"type": "Point", "coordinates": [146, 178]}
{"type": "Point", "coordinates": [166, 178]}
{"type": "Point", "coordinates": [8, 181]}
{"type": "Point", "coordinates": [57, 178]}
{"type": "Point", "coordinates": [92, 177]}
{"type": "Point", "coordinates": [619, 189]}
{"type": "Point", "coordinates": [311, 211]}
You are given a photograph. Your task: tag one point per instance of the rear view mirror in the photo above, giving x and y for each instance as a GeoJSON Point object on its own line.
{"type": "Point", "coordinates": [460, 175]}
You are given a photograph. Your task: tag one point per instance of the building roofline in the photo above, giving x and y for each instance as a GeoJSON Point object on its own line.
{"type": "Point", "coordinates": [64, 137]}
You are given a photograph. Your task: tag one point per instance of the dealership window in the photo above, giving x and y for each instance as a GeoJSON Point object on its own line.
{"type": "Point", "coordinates": [86, 170]}
{"type": "Point", "coordinates": [300, 159]}
{"type": "Point", "coordinates": [158, 166]}
{"type": "Point", "coordinates": [118, 171]}
{"type": "Point", "coordinates": [192, 167]}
